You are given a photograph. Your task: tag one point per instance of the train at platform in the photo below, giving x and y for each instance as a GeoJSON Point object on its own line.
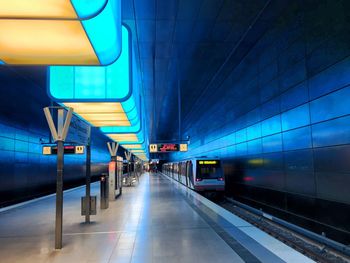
{"type": "Point", "coordinates": [199, 174]}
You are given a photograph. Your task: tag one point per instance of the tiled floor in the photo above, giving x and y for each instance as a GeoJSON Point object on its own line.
{"type": "Point", "coordinates": [150, 222]}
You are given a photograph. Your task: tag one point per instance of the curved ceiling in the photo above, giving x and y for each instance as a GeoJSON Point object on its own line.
{"type": "Point", "coordinates": [189, 47]}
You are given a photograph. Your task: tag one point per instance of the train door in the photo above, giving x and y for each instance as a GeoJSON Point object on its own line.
{"type": "Point", "coordinates": [183, 173]}
{"type": "Point", "coordinates": [186, 172]}
{"type": "Point", "coordinates": [190, 174]}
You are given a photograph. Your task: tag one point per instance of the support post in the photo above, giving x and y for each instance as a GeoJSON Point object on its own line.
{"type": "Point", "coordinates": [88, 183]}
{"type": "Point", "coordinates": [59, 195]}
{"type": "Point", "coordinates": [59, 136]}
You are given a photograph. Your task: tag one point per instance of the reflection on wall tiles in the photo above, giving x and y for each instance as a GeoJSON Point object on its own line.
{"type": "Point", "coordinates": [333, 186]}
{"type": "Point", "coordinates": [21, 146]}
{"type": "Point", "coordinates": [299, 161]}
{"type": "Point", "coordinates": [271, 126]}
{"type": "Point", "coordinates": [333, 78]}
{"type": "Point", "coordinates": [254, 131]}
{"type": "Point", "coordinates": [7, 131]}
{"type": "Point", "coordinates": [332, 159]}
{"type": "Point", "coordinates": [333, 132]}
{"type": "Point", "coordinates": [293, 54]}
{"type": "Point", "coordinates": [273, 161]}
{"type": "Point", "coordinates": [270, 108]}
{"type": "Point", "coordinates": [269, 90]}
{"type": "Point", "coordinates": [300, 183]}
{"type": "Point", "coordinates": [22, 163]}
{"type": "Point", "coordinates": [293, 76]}
{"type": "Point", "coordinates": [295, 97]}
{"type": "Point", "coordinates": [241, 149]}
{"type": "Point", "coordinates": [296, 117]}
{"type": "Point", "coordinates": [241, 136]}
{"type": "Point", "coordinates": [7, 144]}
{"type": "Point", "coordinates": [272, 143]}
{"type": "Point", "coordinates": [268, 73]}
{"type": "Point", "coordinates": [255, 146]}
{"type": "Point", "coordinates": [297, 139]}
{"type": "Point", "coordinates": [299, 80]}
{"type": "Point", "coordinates": [330, 106]}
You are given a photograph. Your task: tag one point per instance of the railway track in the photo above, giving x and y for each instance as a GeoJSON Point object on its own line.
{"type": "Point", "coordinates": [305, 245]}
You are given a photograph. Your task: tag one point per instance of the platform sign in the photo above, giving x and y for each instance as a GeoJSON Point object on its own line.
{"type": "Point", "coordinates": [167, 147]}
{"type": "Point", "coordinates": [183, 147]}
{"type": "Point", "coordinates": [79, 149]}
{"type": "Point", "coordinates": [153, 148]}
{"type": "Point", "coordinates": [47, 150]}
{"type": "Point", "coordinates": [79, 131]}
{"type": "Point", "coordinates": [68, 149]}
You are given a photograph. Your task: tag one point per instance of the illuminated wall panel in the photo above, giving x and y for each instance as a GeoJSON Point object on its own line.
{"type": "Point", "coordinates": [296, 117]}
{"type": "Point", "coordinates": [24, 172]}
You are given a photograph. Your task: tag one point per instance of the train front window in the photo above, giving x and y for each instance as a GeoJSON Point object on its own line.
{"type": "Point", "coordinates": [208, 169]}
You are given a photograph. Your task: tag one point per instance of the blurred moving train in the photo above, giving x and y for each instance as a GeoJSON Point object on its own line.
{"type": "Point", "coordinates": [198, 174]}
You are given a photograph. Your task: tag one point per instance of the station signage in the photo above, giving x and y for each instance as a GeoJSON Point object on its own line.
{"type": "Point", "coordinates": [79, 131]}
{"type": "Point", "coordinates": [167, 147]}
{"type": "Point", "coordinates": [68, 149]}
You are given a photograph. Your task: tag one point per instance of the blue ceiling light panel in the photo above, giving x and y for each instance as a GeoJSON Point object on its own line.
{"type": "Point", "coordinates": [102, 95]}
{"type": "Point", "coordinates": [87, 8]}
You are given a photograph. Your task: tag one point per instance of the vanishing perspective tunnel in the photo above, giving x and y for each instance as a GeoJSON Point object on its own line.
{"type": "Point", "coordinates": [175, 131]}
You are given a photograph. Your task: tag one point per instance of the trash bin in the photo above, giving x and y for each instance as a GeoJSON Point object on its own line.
{"type": "Point", "coordinates": [104, 191]}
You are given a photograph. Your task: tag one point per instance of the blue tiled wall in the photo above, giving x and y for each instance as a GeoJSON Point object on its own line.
{"type": "Point", "coordinates": [289, 131]}
{"type": "Point", "coordinates": [24, 172]}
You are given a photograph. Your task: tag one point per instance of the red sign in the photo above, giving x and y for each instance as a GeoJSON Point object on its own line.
{"type": "Point", "coordinates": [168, 147]}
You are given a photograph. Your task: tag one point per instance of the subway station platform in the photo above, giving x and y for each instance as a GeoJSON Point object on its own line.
{"type": "Point", "coordinates": [157, 220]}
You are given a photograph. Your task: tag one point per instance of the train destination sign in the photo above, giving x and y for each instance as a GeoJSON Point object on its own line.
{"type": "Point", "coordinates": [209, 163]}
{"type": "Point", "coordinates": [167, 147]}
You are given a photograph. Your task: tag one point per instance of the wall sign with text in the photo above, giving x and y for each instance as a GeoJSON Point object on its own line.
{"type": "Point", "coordinates": [167, 147]}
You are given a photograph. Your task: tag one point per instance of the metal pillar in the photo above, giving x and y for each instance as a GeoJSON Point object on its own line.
{"type": "Point", "coordinates": [59, 136]}
{"type": "Point", "coordinates": [88, 184]}
{"type": "Point", "coordinates": [59, 195]}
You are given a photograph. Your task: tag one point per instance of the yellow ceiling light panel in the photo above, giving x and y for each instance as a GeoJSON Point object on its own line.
{"type": "Point", "coordinates": [56, 42]}
{"type": "Point", "coordinates": [95, 107]}
{"type": "Point", "coordinates": [108, 123]}
{"type": "Point", "coordinates": [132, 146]}
{"type": "Point", "coordinates": [106, 116]}
{"type": "Point", "coordinates": [137, 151]}
{"type": "Point", "coordinates": [100, 113]}
{"type": "Point", "coordinates": [126, 137]}
{"type": "Point", "coordinates": [37, 9]}
{"type": "Point", "coordinates": [60, 32]}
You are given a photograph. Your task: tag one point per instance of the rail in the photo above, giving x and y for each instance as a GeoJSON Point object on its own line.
{"type": "Point", "coordinates": [299, 230]}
